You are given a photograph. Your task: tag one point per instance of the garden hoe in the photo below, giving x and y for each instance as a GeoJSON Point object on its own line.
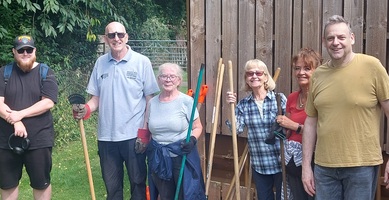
{"type": "Point", "coordinates": [79, 99]}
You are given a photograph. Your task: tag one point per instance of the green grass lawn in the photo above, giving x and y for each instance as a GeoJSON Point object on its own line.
{"type": "Point", "coordinates": [69, 176]}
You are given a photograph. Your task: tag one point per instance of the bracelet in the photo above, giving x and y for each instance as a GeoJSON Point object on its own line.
{"type": "Point", "coordinates": [299, 128]}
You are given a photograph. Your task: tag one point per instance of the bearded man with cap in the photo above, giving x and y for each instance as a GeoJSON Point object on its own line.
{"type": "Point", "coordinates": [26, 123]}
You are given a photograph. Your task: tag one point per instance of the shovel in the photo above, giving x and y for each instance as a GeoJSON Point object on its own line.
{"type": "Point", "coordinates": [79, 99]}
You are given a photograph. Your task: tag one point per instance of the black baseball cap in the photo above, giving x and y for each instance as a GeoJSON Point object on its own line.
{"type": "Point", "coordinates": [23, 41]}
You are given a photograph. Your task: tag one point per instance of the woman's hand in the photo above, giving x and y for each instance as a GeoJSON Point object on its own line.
{"type": "Point", "coordinates": [287, 123]}
{"type": "Point", "coordinates": [231, 97]}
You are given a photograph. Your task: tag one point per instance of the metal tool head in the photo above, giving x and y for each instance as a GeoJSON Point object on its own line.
{"type": "Point", "coordinates": [76, 99]}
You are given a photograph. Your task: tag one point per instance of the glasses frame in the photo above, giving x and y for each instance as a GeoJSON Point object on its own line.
{"type": "Point", "coordinates": [28, 50]}
{"type": "Point", "coordinates": [165, 77]}
{"type": "Point", "coordinates": [257, 73]}
{"type": "Point", "coordinates": [120, 35]}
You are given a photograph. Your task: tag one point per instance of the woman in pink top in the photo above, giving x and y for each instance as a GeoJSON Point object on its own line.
{"type": "Point", "coordinates": [304, 64]}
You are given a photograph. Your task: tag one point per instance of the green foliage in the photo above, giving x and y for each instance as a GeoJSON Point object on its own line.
{"type": "Point", "coordinates": [66, 37]}
{"type": "Point", "coordinates": [154, 29]}
{"type": "Point", "coordinates": [66, 128]}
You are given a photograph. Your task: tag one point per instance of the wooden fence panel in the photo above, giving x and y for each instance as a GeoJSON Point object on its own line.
{"type": "Point", "coordinates": [297, 38]}
{"type": "Point", "coordinates": [213, 54]}
{"type": "Point", "coordinates": [311, 30]}
{"type": "Point", "coordinates": [273, 31]}
{"type": "Point", "coordinates": [229, 53]}
{"type": "Point", "coordinates": [264, 31]}
{"type": "Point", "coordinates": [330, 7]}
{"type": "Point", "coordinates": [353, 10]}
{"type": "Point", "coordinates": [247, 28]}
{"type": "Point", "coordinates": [376, 34]}
{"type": "Point", "coordinates": [196, 46]}
{"type": "Point", "coordinates": [282, 44]}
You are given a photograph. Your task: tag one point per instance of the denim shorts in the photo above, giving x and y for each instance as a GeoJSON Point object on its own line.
{"type": "Point", "coordinates": [346, 183]}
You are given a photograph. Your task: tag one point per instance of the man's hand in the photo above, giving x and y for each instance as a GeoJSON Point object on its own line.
{"type": "Point", "coordinates": [20, 130]}
{"type": "Point", "coordinates": [142, 140]}
{"type": "Point", "coordinates": [186, 147]}
{"type": "Point", "coordinates": [386, 175]}
{"type": "Point", "coordinates": [81, 111]}
{"type": "Point", "coordinates": [13, 116]}
{"type": "Point", "coordinates": [308, 180]}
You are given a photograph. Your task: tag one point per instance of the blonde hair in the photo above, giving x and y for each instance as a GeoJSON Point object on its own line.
{"type": "Point", "coordinates": [255, 63]}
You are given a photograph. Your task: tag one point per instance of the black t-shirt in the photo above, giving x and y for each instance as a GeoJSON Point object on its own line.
{"type": "Point", "coordinates": [22, 91]}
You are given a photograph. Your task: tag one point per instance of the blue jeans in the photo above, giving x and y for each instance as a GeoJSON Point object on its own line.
{"type": "Point", "coordinates": [264, 184]}
{"type": "Point", "coordinates": [346, 183]}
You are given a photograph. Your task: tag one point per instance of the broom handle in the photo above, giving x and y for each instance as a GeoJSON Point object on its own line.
{"type": "Point", "coordinates": [234, 137]}
{"type": "Point", "coordinates": [215, 119]}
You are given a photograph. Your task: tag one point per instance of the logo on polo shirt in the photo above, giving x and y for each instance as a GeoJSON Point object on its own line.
{"type": "Point", "coordinates": [131, 74]}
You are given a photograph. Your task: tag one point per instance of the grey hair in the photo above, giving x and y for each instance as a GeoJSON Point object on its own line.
{"type": "Point", "coordinates": [177, 69]}
{"type": "Point", "coordinates": [336, 19]}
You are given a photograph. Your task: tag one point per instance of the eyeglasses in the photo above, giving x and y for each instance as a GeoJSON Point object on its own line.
{"type": "Point", "coordinates": [164, 77]}
{"type": "Point", "coordinates": [28, 50]}
{"type": "Point", "coordinates": [113, 35]}
{"type": "Point", "coordinates": [257, 73]}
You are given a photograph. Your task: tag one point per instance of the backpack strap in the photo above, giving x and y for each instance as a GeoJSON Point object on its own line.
{"type": "Point", "coordinates": [7, 72]}
{"type": "Point", "coordinates": [43, 69]}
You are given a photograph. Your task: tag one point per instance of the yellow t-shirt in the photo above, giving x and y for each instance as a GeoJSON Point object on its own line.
{"type": "Point", "coordinates": [345, 101]}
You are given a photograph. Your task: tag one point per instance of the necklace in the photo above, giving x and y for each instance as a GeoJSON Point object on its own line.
{"type": "Point", "coordinates": [301, 105]}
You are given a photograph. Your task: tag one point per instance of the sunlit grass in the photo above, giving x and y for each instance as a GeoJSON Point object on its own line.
{"type": "Point", "coordinates": [69, 176]}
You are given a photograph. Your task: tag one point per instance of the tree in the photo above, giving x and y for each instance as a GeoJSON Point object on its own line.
{"type": "Point", "coordinates": [66, 31]}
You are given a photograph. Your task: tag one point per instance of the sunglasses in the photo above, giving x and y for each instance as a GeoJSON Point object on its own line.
{"type": "Point", "coordinates": [113, 35]}
{"type": "Point", "coordinates": [257, 73]}
{"type": "Point", "coordinates": [29, 51]}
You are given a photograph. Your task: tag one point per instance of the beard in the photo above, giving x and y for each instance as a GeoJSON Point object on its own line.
{"type": "Point", "coordinates": [26, 65]}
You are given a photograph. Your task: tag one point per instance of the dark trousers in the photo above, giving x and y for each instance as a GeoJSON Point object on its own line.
{"type": "Point", "coordinates": [295, 184]}
{"type": "Point", "coordinates": [113, 156]}
{"type": "Point", "coordinates": [167, 188]}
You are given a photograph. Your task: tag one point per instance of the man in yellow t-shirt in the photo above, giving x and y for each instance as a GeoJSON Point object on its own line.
{"type": "Point", "coordinates": [343, 124]}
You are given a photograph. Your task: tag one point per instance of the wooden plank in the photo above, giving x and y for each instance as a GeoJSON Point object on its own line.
{"type": "Point", "coordinates": [311, 29]}
{"type": "Point", "coordinates": [214, 190]}
{"type": "Point", "coordinates": [353, 12]}
{"type": "Point", "coordinates": [330, 7]}
{"type": "Point", "coordinates": [296, 35]}
{"type": "Point", "coordinates": [376, 32]}
{"type": "Point", "coordinates": [376, 29]}
{"type": "Point", "coordinates": [244, 191]}
{"type": "Point", "coordinates": [212, 55]}
{"type": "Point", "coordinates": [264, 31]}
{"type": "Point", "coordinates": [229, 53]}
{"type": "Point", "coordinates": [196, 47]}
{"type": "Point", "coordinates": [246, 34]}
{"type": "Point", "coordinates": [282, 48]}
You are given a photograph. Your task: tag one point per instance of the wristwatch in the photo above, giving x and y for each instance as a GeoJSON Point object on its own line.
{"type": "Point", "coordinates": [299, 128]}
